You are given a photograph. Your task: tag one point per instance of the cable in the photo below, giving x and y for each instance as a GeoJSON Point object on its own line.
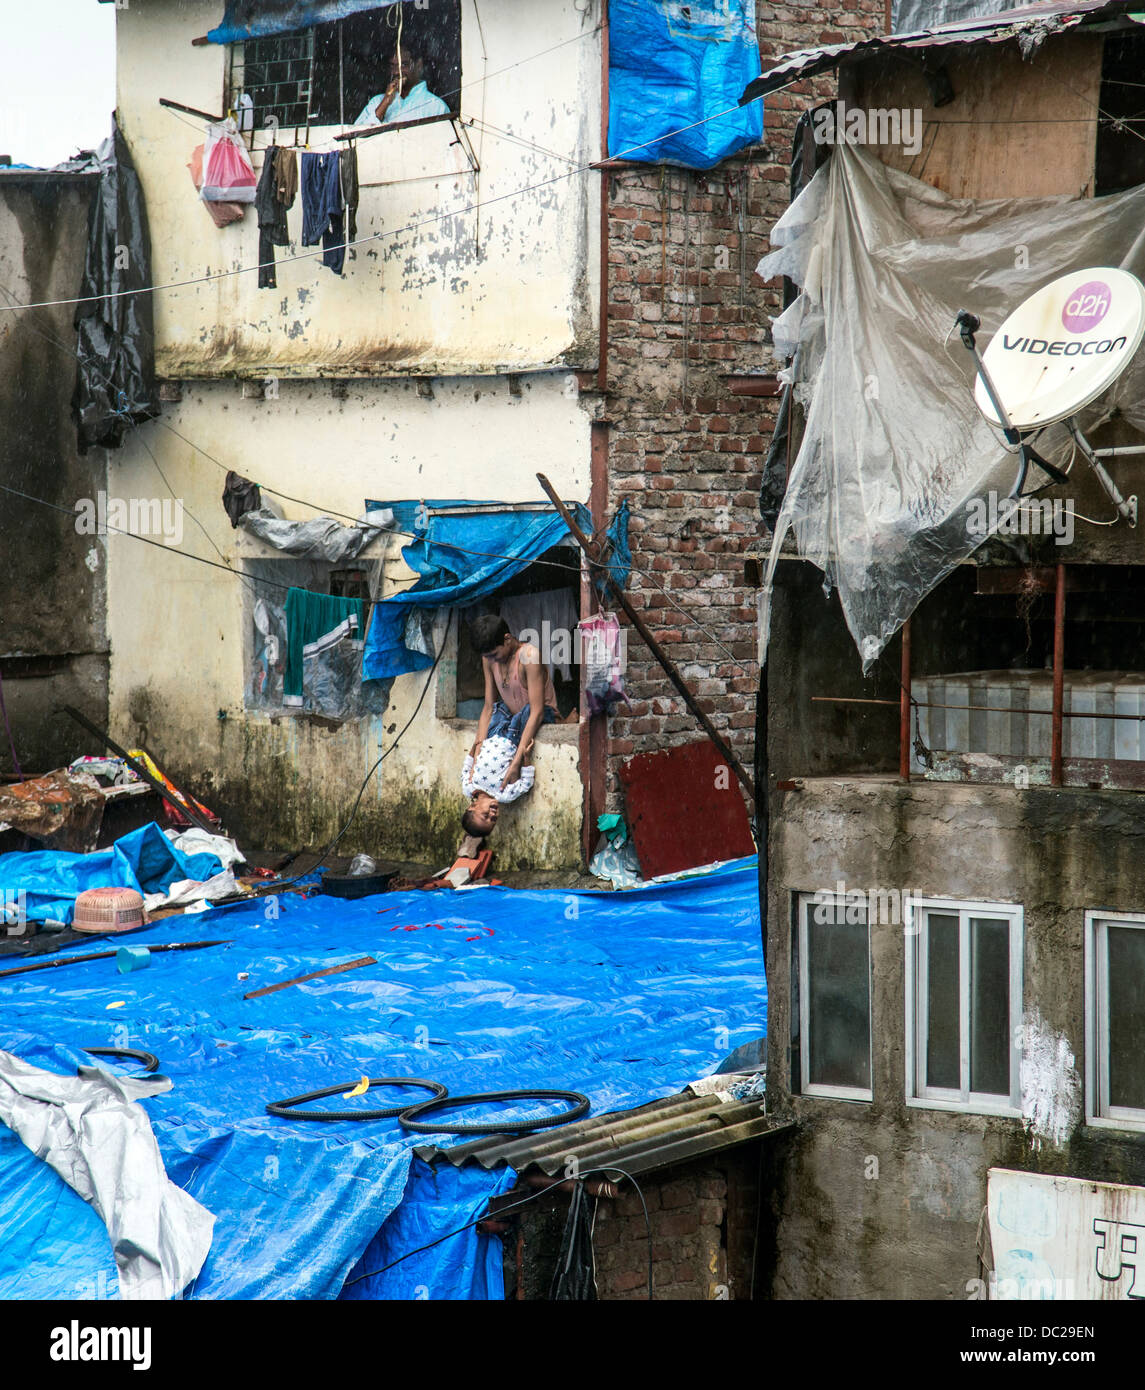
{"type": "Point", "coordinates": [284, 1108]}
{"type": "Point", "coordinates": [532, 1197]}
{"type": "Point", "coordinates": [380, 236]}
{"type": "Point", "coordinates": [580, 1106]}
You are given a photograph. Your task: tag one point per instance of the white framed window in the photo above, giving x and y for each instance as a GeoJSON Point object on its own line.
{"type": "Point", "coordinates": [834, 983]}
{"type": "Point", "coordinates": [963, 1006]}
{"type": "Point", "coordinates": [1115, 1019]}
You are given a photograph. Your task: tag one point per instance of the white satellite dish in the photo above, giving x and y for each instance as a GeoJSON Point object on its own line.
{"type": "Point", "coordinates": [1063, 347]}
{"type": "Point", "coordinates": [1058, 351]}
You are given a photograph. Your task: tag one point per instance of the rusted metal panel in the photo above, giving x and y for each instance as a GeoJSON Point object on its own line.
{"type": "Point", "coordinates": [684, 809]}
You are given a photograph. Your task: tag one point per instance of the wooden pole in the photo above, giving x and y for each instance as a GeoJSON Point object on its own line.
{"type": "Point", "coordinates": [651, 643]}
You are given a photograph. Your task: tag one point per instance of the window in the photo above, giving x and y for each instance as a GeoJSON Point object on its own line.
{"type": "Point", "coordinates": [1115, 1020]}
{"type": "Point", "coordinates": [833, 970]}
{"type": "Point", "coordinates": [964, 1002]}
{"type": "Point", "coordinates": [326, 74]}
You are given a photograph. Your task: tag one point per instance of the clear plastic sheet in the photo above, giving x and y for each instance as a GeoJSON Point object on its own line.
{"type": "Point", "coordinates": [895, 456]}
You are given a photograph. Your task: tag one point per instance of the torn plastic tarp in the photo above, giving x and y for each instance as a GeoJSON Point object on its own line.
{"type": "Point", "coordinates": [895, 456]}
{"type": "Point", "coordinates": [89, 1129]}
{"type": "Point", "coordinates": [144, 860]}
{"type": "Point", "coordinates": [249, 19]}
{"type": "Point", "coordinates": [612, 995]}
{"type": "Point", "coordinates": [676, 71]}
{"type": "Point", "coordinates": [320, 538]}
{"type": "Point", "coordinates": [115, 343]}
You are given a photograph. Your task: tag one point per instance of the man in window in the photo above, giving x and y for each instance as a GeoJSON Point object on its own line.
{"type": "Point", "coordinates": [407, 98]}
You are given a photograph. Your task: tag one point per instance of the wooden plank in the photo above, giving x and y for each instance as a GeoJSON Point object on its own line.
{"type": "Point", "coordinates": [314, 975]}
{"type": "Point", "coordinates": [1016, 128]}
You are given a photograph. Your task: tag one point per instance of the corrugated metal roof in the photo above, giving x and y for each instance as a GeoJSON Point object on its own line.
{"type": "Point", "coordinates": [1033, 20]}
{"type": "Point", "coordinates": [667, 1131]}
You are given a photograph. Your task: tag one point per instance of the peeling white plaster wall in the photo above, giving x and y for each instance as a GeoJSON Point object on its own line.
{"type": "Point", "coordinates": [1051, 1087]}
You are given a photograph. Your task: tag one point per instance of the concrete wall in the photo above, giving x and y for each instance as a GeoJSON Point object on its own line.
{"type": "Point", "coordinates": [176, 626]}
{"type": "Point", "coordinates": [467, 275]}
{"type": "Point", "coordinates": [53, 645]}
{"type": "Point", "coordinates": [841, 1231]}
{"type": "Point", "coordinates": [465, 297]}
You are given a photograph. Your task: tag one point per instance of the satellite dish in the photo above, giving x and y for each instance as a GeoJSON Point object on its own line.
{"type": "Point", "coordinates": [1058, 351]}
{"type": "Point", "coordinates": [1063, 347]}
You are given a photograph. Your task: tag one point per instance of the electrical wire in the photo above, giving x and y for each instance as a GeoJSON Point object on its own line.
{"type": "Point", "coordinates": [514, 1206]}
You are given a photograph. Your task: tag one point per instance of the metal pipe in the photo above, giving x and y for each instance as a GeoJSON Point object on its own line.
{"type": "Point", "coordinates": [1059, 679]}
{"type": "Point", "coordinates": [651, 643]}
{"type": "Point", "coordinates": [904, 706]}
{"type": "Point", "coordinates": [987, 709]}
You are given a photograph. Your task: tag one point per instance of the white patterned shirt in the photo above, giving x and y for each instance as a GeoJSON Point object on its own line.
{"type": "Point", "coordinates": [487, 772]}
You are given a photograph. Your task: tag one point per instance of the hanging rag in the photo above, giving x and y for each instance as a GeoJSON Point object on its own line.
{"type": "Point", "coordinates": [322, 217]}
{"type": "Point", "coordinates": [271, 210]}
{"type": "Point", "coordinates": [314, 624]}
{"type": "Point", "coordinates": [240, 495]}
{"type": "Point", "coordinates": [603, 652]}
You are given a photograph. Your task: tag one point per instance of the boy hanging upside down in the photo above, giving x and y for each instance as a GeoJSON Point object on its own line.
{"type": "Point", "coordinates": [498, 768]}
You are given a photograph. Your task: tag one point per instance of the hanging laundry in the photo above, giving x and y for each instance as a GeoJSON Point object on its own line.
{"type": "Point", "coordinates": [348, 182]}
{"type": "Point", "coordinates": [603, 652]}
{"type": "Point", "coordinates": [272, 209]}
{"type": "Point", "coordinates": [322, 218]}
{"type": "Point", "coordinates": [315, 622]}
{"type": "Point", "coordinates": [221, 213]}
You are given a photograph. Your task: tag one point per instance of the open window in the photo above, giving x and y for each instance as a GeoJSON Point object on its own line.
{"type": "Point", "coordinates": [325, 75]}
{"type": "Point", "coordinates": [540, 605]}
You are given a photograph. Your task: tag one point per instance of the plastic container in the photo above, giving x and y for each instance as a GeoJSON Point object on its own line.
{"type": "Point", "coordinates": [108, 910]}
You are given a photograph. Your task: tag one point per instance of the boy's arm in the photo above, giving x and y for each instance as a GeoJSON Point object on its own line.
{"type": "Point", "coordinates": [535, 685]}
{"type": "Point", "coordinates": [516, 789]}
{"type": "Point", "coordinates": [487, 708]}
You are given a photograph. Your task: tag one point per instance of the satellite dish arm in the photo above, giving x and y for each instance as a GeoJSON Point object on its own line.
{"type": "Point", "coordinates": [968, 324]}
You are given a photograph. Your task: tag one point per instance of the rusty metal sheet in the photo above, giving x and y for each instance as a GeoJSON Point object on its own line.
{"type": "Point", "coordinates": [61, 811]}
{"type": "Point", "coordinates": [684, 808]}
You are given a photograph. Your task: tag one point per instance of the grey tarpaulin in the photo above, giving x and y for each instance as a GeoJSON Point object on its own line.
{"type": "Point", "coordinates": [894, 452]}
{"type": "Point", "coordinates": [321, 538]}
{"type": "Point", "coordinates": [89, 1129]}
{"type": "Point", "coordinates": [115, 345]}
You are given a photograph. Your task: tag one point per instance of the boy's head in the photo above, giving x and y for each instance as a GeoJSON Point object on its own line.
{"type": "Point", "coordinates": [490, 634]}
{"type": "Point", "coordinates": [482, 814]}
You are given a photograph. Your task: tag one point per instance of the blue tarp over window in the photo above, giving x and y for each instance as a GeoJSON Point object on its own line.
{"type": "Point", "coordinates": [494, 546]}
{"type": "Point", "coordinates": [625, 997]}
{"type": "Point", "coordinates": [676, 64]}
{"type": "Point", "coordinates": [252, 19]}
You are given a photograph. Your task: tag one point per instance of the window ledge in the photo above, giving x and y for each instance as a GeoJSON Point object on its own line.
{"type": "Point", "coordinates": [549, 733]}
{"type": "Point", "coordinates": [1001, 1112]}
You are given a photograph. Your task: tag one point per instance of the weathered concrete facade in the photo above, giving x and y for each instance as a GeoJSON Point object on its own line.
{"type": "Point", "coordinates": [905, 1226]}
{"type": "Point", "coordinates": [53, 640]}
{"type": "Point", "coordinates": [483, 286]}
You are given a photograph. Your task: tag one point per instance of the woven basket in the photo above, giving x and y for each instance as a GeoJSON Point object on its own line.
{"type": "Point", "coordinates": [107, 910]}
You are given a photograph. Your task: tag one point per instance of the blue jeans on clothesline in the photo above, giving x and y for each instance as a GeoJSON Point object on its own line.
{"type": "Point", "coordinates": [512, 726]}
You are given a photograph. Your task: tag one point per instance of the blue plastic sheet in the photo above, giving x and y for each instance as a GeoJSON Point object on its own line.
{"type": "Point", "coordinates": [249, 19]}
{"type": "Point", "coordinates": [625, 997]}
{"type": "Point", "coordinates": [145, 860]}
{"type": "Point", "coordinates": [676, 73]}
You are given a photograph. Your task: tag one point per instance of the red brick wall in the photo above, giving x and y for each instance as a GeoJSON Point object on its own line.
{"type": "Point", "coordinates": [686, 308]}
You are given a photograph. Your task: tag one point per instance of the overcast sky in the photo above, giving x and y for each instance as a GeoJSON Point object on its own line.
{"type": "Point", "coordinates": [57, 78]}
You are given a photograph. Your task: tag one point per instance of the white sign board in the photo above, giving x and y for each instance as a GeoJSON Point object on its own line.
{"type": "Point", "coordinates": [1060, 1238]}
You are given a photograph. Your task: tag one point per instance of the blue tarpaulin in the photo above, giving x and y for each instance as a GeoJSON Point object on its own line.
{"type": "Point", "coordinates": [252, 19]}
{"type": "Point", "coordinates": [679, 67]}
{"type": "Point", "coordinates": [144, 860]}
{"type": "Point", "coordinates": [625, 997]}
{"type": "Point", "coordinates": [495, 546]}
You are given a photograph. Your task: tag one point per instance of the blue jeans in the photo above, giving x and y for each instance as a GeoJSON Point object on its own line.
{"type": "Point", "coordinates": [511, 726]}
